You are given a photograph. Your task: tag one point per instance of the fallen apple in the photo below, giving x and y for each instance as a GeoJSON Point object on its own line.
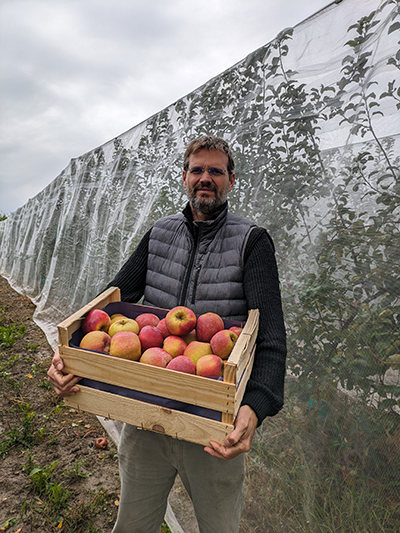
{"type": "Point", "coordinates": [180, 320]}
{"type": "Point", "coordinates": [95, 320]}
{"type": "Point", "coordinates": [101, 443]}
{"type": "Point", "coordinates": [96, 340]}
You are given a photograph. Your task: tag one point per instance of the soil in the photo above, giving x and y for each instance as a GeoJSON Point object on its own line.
{"type": "Point", "coordinates": [53, 433]}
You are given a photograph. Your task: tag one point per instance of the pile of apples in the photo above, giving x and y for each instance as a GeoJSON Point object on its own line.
{"type": "Point", "coordinates": [180, 341]}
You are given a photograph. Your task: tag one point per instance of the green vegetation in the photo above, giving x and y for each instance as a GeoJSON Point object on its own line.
{"type": "Point", "coordinates": [23, 434]}
{"type": "Point", "coordinates": [309, 470]}
{"type": "Point", "coordinates": [9, 333]}
{"type": "Point", "coordinates": [50, 504]}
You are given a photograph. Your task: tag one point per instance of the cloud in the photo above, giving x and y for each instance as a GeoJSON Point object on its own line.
{"type": "Point", "coordinates": [76, 74]}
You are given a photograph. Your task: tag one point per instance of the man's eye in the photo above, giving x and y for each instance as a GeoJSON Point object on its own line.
{"type": "Point", "coordinates": [197, 171]}
{"type": "Point", "coordinates": [216, 171]}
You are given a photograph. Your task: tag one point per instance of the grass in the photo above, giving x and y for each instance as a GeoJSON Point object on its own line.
{"type": "Point", "coordinates": [9, 333]}
{"type": "Point", "coordinates": [325, 468]}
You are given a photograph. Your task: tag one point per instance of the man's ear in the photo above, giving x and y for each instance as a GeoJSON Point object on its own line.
{"type": "Point", "coordinates": [184, 178]}
{"type": "Point", "coordinates": [231, 181]}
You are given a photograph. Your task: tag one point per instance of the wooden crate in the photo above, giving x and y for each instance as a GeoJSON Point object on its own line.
{"type": "Point", "coordinates": [222, 397]}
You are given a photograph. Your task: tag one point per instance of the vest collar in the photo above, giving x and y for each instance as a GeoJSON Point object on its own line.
{"type": "Point", "coordinates": [219, 215]}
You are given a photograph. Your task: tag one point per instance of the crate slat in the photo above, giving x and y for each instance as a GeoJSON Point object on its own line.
{"type": "Point", "coordinates": [184, 426]}
{"type": "Point", "coordinates": [137, 376]}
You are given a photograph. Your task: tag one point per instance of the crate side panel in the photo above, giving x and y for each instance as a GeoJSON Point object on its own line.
{"type": "Point", "coordinates": [176, 424]}
{"type": "Point", "coordinates": [241, 387]}
{"type": "Point", "coordinates": [187, 388]}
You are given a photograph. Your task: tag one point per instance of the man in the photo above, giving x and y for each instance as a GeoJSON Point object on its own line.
{"type": "Point", "coordinates": [209, 260]}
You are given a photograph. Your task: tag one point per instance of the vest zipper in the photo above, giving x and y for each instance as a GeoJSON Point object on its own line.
{"type": "Point", "coordinates": [195, 284]}
{"type": "Point", "coordinates": [190, 267]}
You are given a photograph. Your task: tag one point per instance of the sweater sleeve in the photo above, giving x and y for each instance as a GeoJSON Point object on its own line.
{"type": "Point", "coordinates": [131, 278]}
{"type": "Point", "coordinates": [265, 388]}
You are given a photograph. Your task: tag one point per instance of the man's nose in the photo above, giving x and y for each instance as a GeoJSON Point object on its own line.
{"type": "Point", "coordinates": [205, 176]}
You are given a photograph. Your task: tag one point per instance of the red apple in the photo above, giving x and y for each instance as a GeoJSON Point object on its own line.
{"type": "Point", "coordinates": [147, 319]}
{"type": "Point", "coordinates": [126, 344]}
{"type": "Point", "coordinates": [208, 325]}
{"type": "Point", "coordinates": [209, 366]}
{"type": "Point", "coordinates": [223, 342]}
{"type": "Point", "coordinates": [150, 337]}
{"type": "Point", "coordinates": [181, 363]}
{"type": "Point", "coordinates": [96, 340]}
{"type": "Point", "coordinates": [236, 329]}
{"type": "Point", "coordinates": [156, 357]}
{"type": "Point", "coordinates": [197, 349]}
{"type": "Point", "coordinates": [174, 345]}
{"type": "Point", "coordinates": [180, 320]}
{"type": "Point", "coordinates": [190, 337]}
{"type": "Point", "coordinates": [96, 319]}
{"type": "Point", "coordinates": [163, 328]}
{"type": "Point", "coordinates": [123, 324]}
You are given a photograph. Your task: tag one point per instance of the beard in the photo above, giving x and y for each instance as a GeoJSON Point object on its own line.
{"type": "Point", "coordinates": [204, 204]}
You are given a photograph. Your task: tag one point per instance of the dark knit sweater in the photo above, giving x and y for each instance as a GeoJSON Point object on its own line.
{"type": "Point", "coordinates": [264, 392]}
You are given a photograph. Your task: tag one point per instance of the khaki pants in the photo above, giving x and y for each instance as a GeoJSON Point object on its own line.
{"type": "Point", "coordinates": [149, 463]}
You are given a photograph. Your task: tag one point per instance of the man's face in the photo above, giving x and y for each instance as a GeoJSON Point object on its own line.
{"type": "Point", "coordinates": [207, 182]}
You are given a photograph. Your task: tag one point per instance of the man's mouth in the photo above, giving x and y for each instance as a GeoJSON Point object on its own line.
{"type": "Point", "coordinates": [203, 189]}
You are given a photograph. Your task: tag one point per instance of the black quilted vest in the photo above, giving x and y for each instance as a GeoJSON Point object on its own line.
{"type": "Point", "coordinates": [198, 264]}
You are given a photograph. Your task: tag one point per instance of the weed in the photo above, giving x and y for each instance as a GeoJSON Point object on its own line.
{"type": "Point", "coordinates": [32, 347]}
{"type": "Point", "coordinates": [76, 470]}
{"type": "Point", "coordinates": [45, 384]}
{"type": "Point", "coordinates": [22, 434]}
{"type": "Point", "coordinates": [9, 523]}
{"type": "Point", "coordinates": [9, 334]}
{"type": "Point", "coordinates": [9, 363]}
{"type": "Point", "coordinates": [53, 496]}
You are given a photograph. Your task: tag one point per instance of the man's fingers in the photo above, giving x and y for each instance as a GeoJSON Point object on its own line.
{"type": "Point", "coordinates": [223, 452]}
{"type": "Point", "coordinates": [63, 384]}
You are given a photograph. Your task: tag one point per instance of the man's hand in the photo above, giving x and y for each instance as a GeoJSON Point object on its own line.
{"type": "Point", "coordinates": [239, 441]}
{"type": "Point", "coordinates": [63, 384]}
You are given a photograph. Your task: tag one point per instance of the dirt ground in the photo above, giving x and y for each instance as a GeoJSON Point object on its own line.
{"type": "Point", "coordinates": [41, 431]}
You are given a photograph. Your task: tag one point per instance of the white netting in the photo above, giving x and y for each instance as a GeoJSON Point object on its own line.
{"type": "Point", "coordinates": [313, 118]}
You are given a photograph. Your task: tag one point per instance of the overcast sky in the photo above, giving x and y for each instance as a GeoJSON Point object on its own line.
{"type": "Point", "coordinates": [77, 73]}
